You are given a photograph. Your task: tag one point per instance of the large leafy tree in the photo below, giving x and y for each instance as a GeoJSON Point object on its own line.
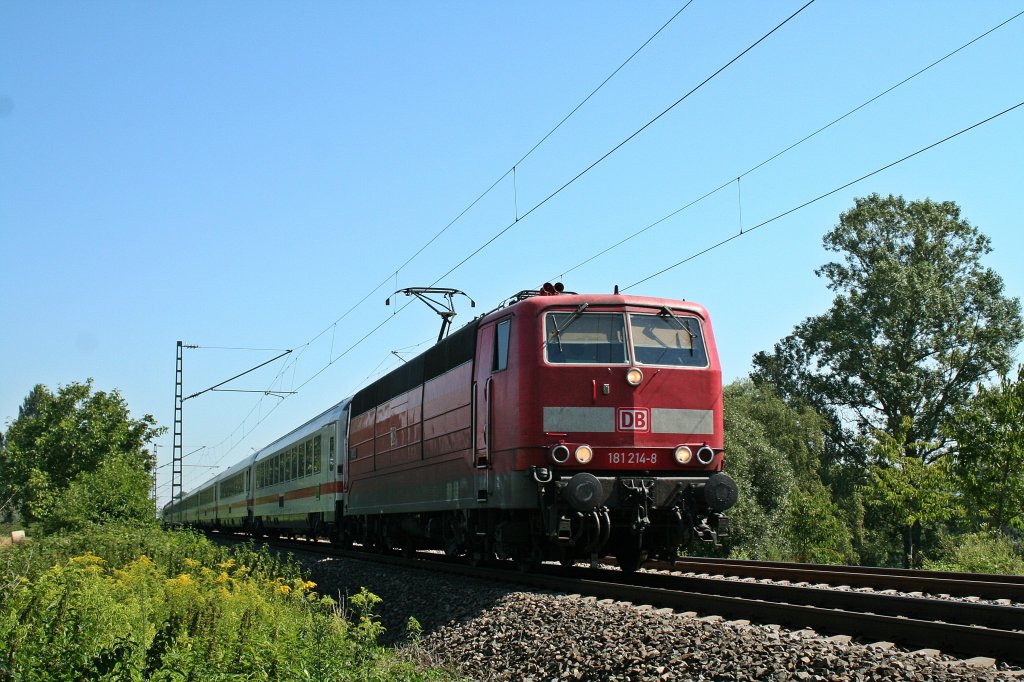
{"type": "Point", "coordinates": [917, 323]}
{"type": "Point", "coordinates": [989, 461]}
{"type": "Point", "coordinates": [60, 436]}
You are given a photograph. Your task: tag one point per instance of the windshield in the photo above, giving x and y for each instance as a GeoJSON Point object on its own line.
{"type": "Point", "coordinates": [667, 340]}
{"type": "Point", "coordinates": [587, 338]}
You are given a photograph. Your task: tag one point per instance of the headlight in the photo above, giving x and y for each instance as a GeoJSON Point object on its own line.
{"type": "Point", "coordinates": [560, 454]}
{"type": "Point", "coordinates": [584, 454]}
{"type": "Point", "coordinates": [705, 455]}
{"type": "Point", "coordinates": [684, 454]}
{"type": "Point", "coordinates": [634, 376]}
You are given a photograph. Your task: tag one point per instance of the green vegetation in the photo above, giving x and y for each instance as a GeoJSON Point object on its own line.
{"type": "Point", "coordinates": [988, 466]}
{"type": "Point", "coordinates": [774, 453]}
{"type": "Point", "coordinates": [64, 444]}
{"type": "Point", "coordinates": [101, 593]}
{"type": "Point", "coordinates": [130, 603]}
{"type": "Point", "coordinates": [916, 449]}
{"type": "Point", "coordinates": [980, 552]}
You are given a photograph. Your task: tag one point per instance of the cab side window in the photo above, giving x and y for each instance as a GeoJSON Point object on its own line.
{"type": "Point", "coordinates": [501, 340]}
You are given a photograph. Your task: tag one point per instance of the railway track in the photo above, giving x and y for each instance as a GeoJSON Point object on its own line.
{"type": "Point", "coordinates": [984, 586]}
{"type": "Point", "coordinates": [962, 628]}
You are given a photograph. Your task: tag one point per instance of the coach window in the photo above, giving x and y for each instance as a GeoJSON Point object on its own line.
{"type": "Point", "coordinates": [317, 454]}
{"type": "Point", "coordinates": [501, 338]}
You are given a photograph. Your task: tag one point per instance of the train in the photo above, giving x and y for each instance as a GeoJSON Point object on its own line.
{"type": "Point", "coordinates": [559, 426]}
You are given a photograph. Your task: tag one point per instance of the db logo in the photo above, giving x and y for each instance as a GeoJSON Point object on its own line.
{"type": "Point", "coordinates": [634, 419]}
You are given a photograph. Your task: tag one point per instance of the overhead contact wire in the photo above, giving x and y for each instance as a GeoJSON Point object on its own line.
{"type": "Point", "coordinates": [594, 91]}
{"type": "Point", "coordinates": [822, 196]}
{"type": "Point", "coordinates": [624, 142]}
{"type": "Point", "coordinates": [799, 142]}
{"type": "Point", "coordinates": [507, 172]}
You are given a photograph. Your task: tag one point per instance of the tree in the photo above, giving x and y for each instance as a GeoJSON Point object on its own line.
{"type": "Point", "coordinates": [916, 324]}
{"type": "Point", "coordinates": [989, 462]}
{"type": "Point", "coordinates": [764, 476]}
{"type": "Point", "coordinates": [906, 492]}
{"type": "Point", "coordinates": [117, 491]}
{"type": "Point", "coordinates": [58, 437]}
{"type": "Point", "coordinates": [816, 529]}
{"type": "Point", "coordinates": [797, 432]}
{"type": "Point", "coordinates": [784, 511]}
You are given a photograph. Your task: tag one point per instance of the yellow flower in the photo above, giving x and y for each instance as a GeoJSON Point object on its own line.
{"type": "Point", "coordinates": [182, 579]}
{"type": "Point", "coordinates": [284, 589]}
{"type": "Point", "coordinates": [191, 563]}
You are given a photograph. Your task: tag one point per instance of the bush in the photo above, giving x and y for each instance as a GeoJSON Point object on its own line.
{"type": "Point", "coordinates": [116, 492]}
{"type": "Point", "coordinates": [981, 552]}
{"type": "Point", "coordinates": [182, 609]}
{"type": "Point", "coordinates": [815, 527]}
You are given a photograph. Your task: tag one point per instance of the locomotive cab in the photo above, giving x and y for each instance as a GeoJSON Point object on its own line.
{"type": "Point", "coordinates": [609, 409]}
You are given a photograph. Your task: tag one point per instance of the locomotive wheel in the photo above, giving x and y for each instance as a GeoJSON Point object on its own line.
{"type": "Point", "coordinates": [527, 561]}
{"type": "Point", "coordinates": [452, 535]}
{"type": "Point", "coordinates": [630, 560]}
{"type": "Point", "coordinates": [478, 557]}
{"type": "Point", "coordinates": [408, 547]}
{"type": "Point", "coordinates": [341, 540]}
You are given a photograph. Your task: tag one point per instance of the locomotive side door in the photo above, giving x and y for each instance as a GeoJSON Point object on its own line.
{"type": "Point", "coordinates": [492, 360]}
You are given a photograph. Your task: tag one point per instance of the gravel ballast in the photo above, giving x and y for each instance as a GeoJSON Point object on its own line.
{"type": "Point", "coordinates": [487, 631]}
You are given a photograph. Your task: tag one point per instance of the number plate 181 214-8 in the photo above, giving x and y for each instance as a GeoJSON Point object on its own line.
{"type": "Point", "coordinates": [632, 457]}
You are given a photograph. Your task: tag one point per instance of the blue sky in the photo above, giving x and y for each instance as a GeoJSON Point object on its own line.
{"type": "Point", "coordinates": [243, 174]}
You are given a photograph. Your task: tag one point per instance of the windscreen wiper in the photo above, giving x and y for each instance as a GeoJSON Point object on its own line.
{"type": "Point", "coordinates": [572, 318]}
{"type": "Point", "coordinates": [682, 325]}
{"type": "Point", "coordinates": [685, 326]}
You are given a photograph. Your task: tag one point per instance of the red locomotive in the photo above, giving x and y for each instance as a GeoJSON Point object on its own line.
{"type": "Point", "coordinates": [560, 426]}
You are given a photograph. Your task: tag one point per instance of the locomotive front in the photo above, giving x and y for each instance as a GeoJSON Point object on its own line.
{"type": "Point", "coordinates": [623, 434]}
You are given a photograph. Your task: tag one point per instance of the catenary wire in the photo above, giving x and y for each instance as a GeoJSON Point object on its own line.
{"type": "Point", "coordinates": [594, 91]}
{"type": "Point", "coordinates": [822, 196]}
{"type": "Point", "coordinates": [614, 149]}
{"type": "Point", "coordinates": [792, 146]}
{"type": "Point", "coordinates": [497, 181]}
